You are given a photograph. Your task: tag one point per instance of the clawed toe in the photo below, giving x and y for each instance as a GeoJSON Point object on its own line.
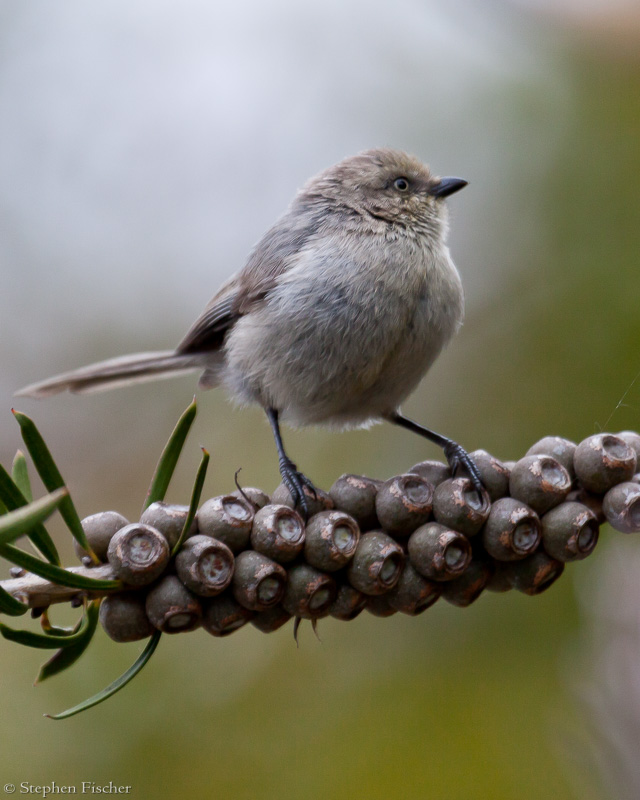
{"type": "Point", "coordinates": [458, 457]}
{"type": "Point", "coordinates": [296, 481]}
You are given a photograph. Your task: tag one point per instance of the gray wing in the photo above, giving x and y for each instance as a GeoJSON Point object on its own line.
{"type": "Point", "coordinates": [274, 254]}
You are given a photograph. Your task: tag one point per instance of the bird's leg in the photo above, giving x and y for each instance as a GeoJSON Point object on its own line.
{"type": "Point", "coordinates": [292, 478]}
{"type": "Point", "coordinates": [455, 454]}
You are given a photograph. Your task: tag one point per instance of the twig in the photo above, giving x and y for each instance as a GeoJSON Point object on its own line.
{"type": "Point", "coordinates": [38, 592]}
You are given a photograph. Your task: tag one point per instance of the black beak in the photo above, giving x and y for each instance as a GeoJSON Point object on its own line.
{"type": "Point", "coordinates": [446, 186]}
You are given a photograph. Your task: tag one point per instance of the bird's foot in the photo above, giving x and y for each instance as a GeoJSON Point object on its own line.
{"type": "Point", "coordinates": [458, 457]}
{"type": "Point", "coordinates": [296, 482]}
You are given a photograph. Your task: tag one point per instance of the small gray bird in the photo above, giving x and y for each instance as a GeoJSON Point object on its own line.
{"type": "Point", "coordinates": [340, 310]}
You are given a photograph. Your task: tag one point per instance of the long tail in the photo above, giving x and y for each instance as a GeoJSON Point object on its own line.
{"type": "Point", "coordinates": [115, 372]}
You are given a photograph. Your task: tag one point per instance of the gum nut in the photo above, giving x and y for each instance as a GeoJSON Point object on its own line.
{"type": "Point", "coordinates": [138, 554]}
{"type": "Point", "coordinates": [256, 497]}
{"type": "Point", "coordinates": [331, 540]}
{"type": "Point", "coordinates": [309, 593]}
{"type": "Point", "coordinates": [512, 530]}
{"type": "Point", "coordinates": [169, 519]}
{"type": "Point", "coordinates": [258, 582]}
{"type": "Point", "coordinates": [99, 528]}
{"type": "Point", "coordinates": [356, 496]}
{"type": "Point", "coordinates": [621, 507]}
{"type": "Point", "coordinates": [439, 553]}
{"type": "Point", "coordinates": [433, 471]}
{"type": "Point", "coordinates": [534, 574]}
{"type": "Point", "coordinates": [539, 481]}
{"type": "Point", "coordinates": [499, 581]}
{"type": "Point", "coordinates": [228, 519]}
{"type": "Point", "coordinates": [348, 604]}
{"type": "Point", "coordinates": [315, 503]}
{"type": "Point", "coordinates": [413, 593]}
{"type": "Point", "coordinates": [271, 619]}
{"type": "Point", "coordinates": [603, 460]}
{"type": "Point", "coordinates": [509, 465]}
{"type": "Point", "coordinates": [633, 440]}
{"type": "Point", "coordinates": [124, 618]}
{"type": "Point", "coordinates": [171, 607]}
{"type": "Point", "coordinates": [569, 532]}
{"type": "Point", "coordinates": [278, 532]}
{"type": "Point", "coordinates": [590, 500]}
{"type": "Point", "coordinates": [205, 565]}
{"type": "Point", "coordinates": [457, 505]}
{"type": "Point", "coordinates": [378, 605]}
{"type": "Point", "coordinates": [403, 503]}
{"type": "Point", "coordinates": [377, 563]}
{"type": "Point", "coordinates": [493, 474]}
{"type": "Point", "coordinates": [223, 615]}
{"type": "Point", "coordinates": [556, 447]}
{"type": "Point", "coordinates": [469, 586]}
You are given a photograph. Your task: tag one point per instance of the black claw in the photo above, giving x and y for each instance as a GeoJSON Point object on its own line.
{"type": "Point", "coordinates": [295, 481]}
{"type": "Point", "coordinates": [458, 457]}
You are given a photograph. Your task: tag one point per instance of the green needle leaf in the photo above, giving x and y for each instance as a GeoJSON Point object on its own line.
{"type": "Point", "coordinates": [195, 499]}
{"type": "Point", "coordinates": [19, 522]}
{"type": "Point", "coordinates": [169, 457]}
{"type": "Point", "coordinates": [20, 475]}
{"type": "Point", "coordinates": [123, 680]}
{"type": "Point", "coordinates": [57, 575]}
{"type": "Point", "coordinates": [67, 656]}
{"type": "Point", "coordinates": [10, 606]}
{"type": "Point", "coordinates": [45, 641]}
{"type": "Point", "coordinates": [51, 477]}
{"type": "Point", "coordinates": [12, 498]}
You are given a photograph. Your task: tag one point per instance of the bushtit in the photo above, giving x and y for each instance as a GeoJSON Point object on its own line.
{"type": "Point", "coordinates": [341, 308]}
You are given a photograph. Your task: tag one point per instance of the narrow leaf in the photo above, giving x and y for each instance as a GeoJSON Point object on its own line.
{"type": "Point", "coordinates": [195, 499]}
{"type": "Point", "coordinates": [169, 458]}
{"type": "Point", "coordinates": [45, 641]}
{"type": "Point", "coordinates": [51, 477]}
{"type": "Point", "coordinates": [19, 522]}
{"type": "Point", "coordinates": [57, 575]}
{"type": "Point", "coordinates": [20, 475]}
{"type": "Point", "coordinates": [12, 498]}
{"type": "Point", "coordinates": [65, 657]}
{"type": "Point", "coordinates": [118, 684]}
{"type": "Point", "coordinates": [10, 606]}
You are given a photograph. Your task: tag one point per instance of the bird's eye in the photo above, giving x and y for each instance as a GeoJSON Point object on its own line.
{"type": "Point", "coordinates": [401, 184]}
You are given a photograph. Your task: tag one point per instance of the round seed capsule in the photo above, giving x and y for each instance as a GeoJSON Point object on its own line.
{"type": "Point", "coordinates": [534, 574]}
{"type": "Point", "coordinates": [569, 532]}
{"type": "Point", "coordinates": [99, 528]}
{"type": "Point", "coordinates": [309, 593]}
{"type": "Point", "coordinates": [258, 582]}
{"type": "Point", "coordinates": [256, 497]}
{"type": "Point", "coordinates": [169, 519]}
{"type": "Point", "coordinates": [375, 568]}
{"type": "Point", "coordinates": [413, 593]}
{"type": "Point", "coordinates": [348, 604]}
{"type": "Point", "coordinates": [621, 507]}
{"type": "Point", "coordinates": [556, 447]}
{"type": "Point", "coordinates": [539, 481]}
{"type": "Point", "coordinates": [222, 615]}
{"type": "Point", "coordinates": [138, 554]}
{"type": "Point", "coordinates": [315, 503]}
{"type": "Point", "coordinates": [356, 495]}
{"type": "Point", "coordinates": [171, 607]}
{"type": "Point", "coordinates": [379, 606]}
{"type": "Point", "coordinates": [633, 440]}
{"type": "Point", "coordinates": [278, 532]}
{"type": "Point", "coordinates": [439, 553]}
{"type": "Point", "coordinates": [403, 503]}
{"type": "Point", "coordinates": [499, 580]}
{"type": "Point", "coordinates": [601, 461]}
{"type": "Point", "coordinates": [124, 618]}
{"type": "Point", "coordinates": [205, 565]}
{"type": "Point", "coordinates": [512, 530]}
{"type": "Point", "coordinates": [457, 505]}
{"type": "Point", "coordinates": [331, 539]}
{"type": "Point", "coordinates": [469, 586]}
{"type": "Point", "coordinates": [493, 474]}
{"type": "Point", "coordinates": [433, 471]}
{"type": "Point", "coordinates": [592, 501]}
{"type": "Point", "coordinates": [228, 519]}
{"type": "Point", "coordinates": [271, 619]}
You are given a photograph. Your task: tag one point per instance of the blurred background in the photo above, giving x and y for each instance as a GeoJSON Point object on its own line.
{"type": "Point", "coordinates": [144, 148]}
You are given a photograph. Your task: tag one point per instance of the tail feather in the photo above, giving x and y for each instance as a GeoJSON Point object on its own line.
{"type": "Point", "coordinates": [115, 372]}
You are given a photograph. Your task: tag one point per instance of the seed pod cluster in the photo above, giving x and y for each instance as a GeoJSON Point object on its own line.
{"type": "Point", "coordinates": [382, 546]}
